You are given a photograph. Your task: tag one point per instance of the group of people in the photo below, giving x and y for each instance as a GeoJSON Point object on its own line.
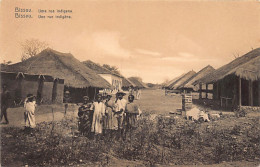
{"type": "Point", "coordinates": [136, 92]}
{"type": "Point", "coordinates": [108, 115]}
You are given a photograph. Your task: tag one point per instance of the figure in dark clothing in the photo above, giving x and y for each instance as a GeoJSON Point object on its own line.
{"type": "Point", "coordinates": [5, 97]}
{"type": "Point", "coordinates": [85, 114]}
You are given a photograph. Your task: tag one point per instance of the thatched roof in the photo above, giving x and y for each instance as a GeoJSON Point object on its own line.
{"type": "Point", "coordinates": [203, 72]}
{"type": "Point", "coordinates": [171, 82]}
{"type": "Point", "coordinates": [182, 80]}
{"type": "Point", "coordinates": [246, 66]}
{"type": "Point", "coordinates": [60, 65]}
{"type": "Point", "coordinates": [127, 83]}
{"type": "Point", "coordinates": [137, 82]}
{"type": "Point", "coordinates": [99, 69]}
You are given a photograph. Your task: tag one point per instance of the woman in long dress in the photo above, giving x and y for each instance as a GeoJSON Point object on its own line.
{"type": "Point", "coordinates": [29, 114]}
{"type": "Point", "coordinates": [110, 122]}
{"type": "Point", "coordinates": [98, 115]}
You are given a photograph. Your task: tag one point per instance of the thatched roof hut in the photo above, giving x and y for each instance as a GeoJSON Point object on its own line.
{"type": "Point", "coordinates": [246, 67]}
{"type": "Point", "coordinates": [127, 83]}
{"type": "Point", "coordinates": [138, 82]}
{"type": "Point", "coordinates": [171, 82]}
{"type": "Point", "coordinates": [182, 80]}
{"type": "Point", "coordinates": [189, 84]}
{"type": "Point", "coordinates": [238, 82]}
{"type": "Point", "coordinates": [60, 65]}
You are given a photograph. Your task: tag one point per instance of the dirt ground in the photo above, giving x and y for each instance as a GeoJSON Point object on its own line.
{"type": "Point", "coordinates": [151, 102]}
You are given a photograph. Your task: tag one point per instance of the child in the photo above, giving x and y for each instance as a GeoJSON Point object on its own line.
{"type": "Point", "coordinates": [29, 117]}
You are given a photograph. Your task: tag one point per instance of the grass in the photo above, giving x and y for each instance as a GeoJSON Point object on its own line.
{"type": "Point", "coordinates": [164, 141]}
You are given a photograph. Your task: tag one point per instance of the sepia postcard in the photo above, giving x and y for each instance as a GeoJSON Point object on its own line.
{"type": "Point", "coordinates": [130, 83]}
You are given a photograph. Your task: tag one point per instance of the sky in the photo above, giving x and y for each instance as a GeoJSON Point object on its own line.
{"type": "Point", "coordinates": [154, 40]}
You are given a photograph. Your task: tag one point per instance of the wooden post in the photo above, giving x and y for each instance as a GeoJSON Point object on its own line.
{"type": "Point", "coordinates": [207, 91]}
{"type": "Point", "coordinates": [94, 93]}
{"type": "Point", "coordinates": [258, 92]}
{"type": "Point", "coordinates": [250, 87]}
{"type": "Point", "coordinates": [200, 91]}
{"type": "Point", "coordinates": [239, 92]}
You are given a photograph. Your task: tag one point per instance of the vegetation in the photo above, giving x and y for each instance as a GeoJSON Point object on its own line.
{"type": "Point", "coordinates": [165, 141]}
{"type": "Point", "coordinates": [32, 47]}
{"type": "Point", "coordinates": [112, 68]}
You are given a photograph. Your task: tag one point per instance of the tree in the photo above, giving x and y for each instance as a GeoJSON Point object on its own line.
{"type": "Point", "coordinates": [7, 62]}
{"type": "Point", "coordinates": [32, 47]}
{"type": "Point", "coordinates": [111, 68]}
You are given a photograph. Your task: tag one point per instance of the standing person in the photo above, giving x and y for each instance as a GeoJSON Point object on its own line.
{"type": "Point", "coordinates": [110, 122]}
{"type": "Point", "coordinates": [29, 114]}
{"type": "Point", "coordinates": [132, 111]}
{"type": "Point", "coordinates": [138, 93]}
{"type": "Point", "coordinates": [5, 98]}
{"type": "Point", "coordinates": [130, 90]}
{"type": "Point", "coordinates": [85, 114]}
{"type": "Point", "coordinates": [120, 105]}
{"type": "Point", "coordinates": [98, 115]}
{"type": "Point", "coordinates": [66, 100]}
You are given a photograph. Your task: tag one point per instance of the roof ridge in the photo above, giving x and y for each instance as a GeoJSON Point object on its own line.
{"type": "Point", "coordinates": [57, 58]}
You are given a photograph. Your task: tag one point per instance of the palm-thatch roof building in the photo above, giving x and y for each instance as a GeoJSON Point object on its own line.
{"type": "Point", "coordinates": [78, 79]}
{"type": "Point", "coordinates": [190, 84]}
{"type": "Point", "coordinates": [181, 80]}
{"type": "Point", "coordinates": [138, 82]}
{"type": "Point", "coordinates": [238, 82]}
{"type": "Point", "coordinates": [171, 82]}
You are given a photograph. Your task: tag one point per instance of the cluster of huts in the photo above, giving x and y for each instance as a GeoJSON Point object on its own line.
{"type": "Point", "coordinates": [234, 84]}
{"type": "Point", "coordinates": [51, 73]}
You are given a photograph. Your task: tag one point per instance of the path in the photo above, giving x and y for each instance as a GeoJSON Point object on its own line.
{"type": "Point", "coordinates": [42, 113]}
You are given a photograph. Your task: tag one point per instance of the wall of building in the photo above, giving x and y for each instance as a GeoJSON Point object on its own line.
{"type": "Point", "coordinates": [29, 85]}
{"type": "Point", "coordinates": [115, 81]}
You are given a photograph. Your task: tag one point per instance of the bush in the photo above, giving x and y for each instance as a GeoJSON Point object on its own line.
{"type": "Point", "coordinates": [164, 141]}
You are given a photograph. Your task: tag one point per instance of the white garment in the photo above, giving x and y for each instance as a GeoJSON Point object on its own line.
{"type": "Point", "coordinates": [29, 116]}
{"type": "Point", "coordinates": [99, 112]}
{"type": "Point", "coordinates": [120, 104]}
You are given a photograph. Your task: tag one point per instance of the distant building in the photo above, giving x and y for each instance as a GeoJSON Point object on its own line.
{"type": "Point", "coordinates": [116, 80]}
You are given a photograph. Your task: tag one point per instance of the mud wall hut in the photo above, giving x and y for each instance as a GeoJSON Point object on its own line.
{"type": "Point", "coordinates": [46, 88]}
{"type": "Point", "coordinates": [238, 82]}
{"type": "Point", "coordinates": [79, 80]}
{"type": "Point", "coordinates": [192, 85]}
{"type": "Point", "coordinates": [181, 80]}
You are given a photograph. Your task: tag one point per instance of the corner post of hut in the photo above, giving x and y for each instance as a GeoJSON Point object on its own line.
{"type": "Point", "coordinates": [239, 92]}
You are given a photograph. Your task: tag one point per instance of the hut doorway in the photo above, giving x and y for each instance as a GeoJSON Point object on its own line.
{"type": "Point", "coordinates": [40, 89]}
{"type": "Point", "coordinates": [18, 90]}
{"type": "Point", "coordinates": [244, 92]}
